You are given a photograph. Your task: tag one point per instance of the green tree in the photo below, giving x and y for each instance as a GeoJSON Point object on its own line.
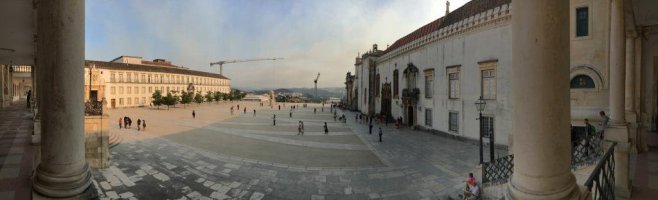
{"type": "Point", "coordinates": [217, 96]}
{"type": "Point", "coordinates": [186, 98]}
{"type": "Point", "coordinates": [225, 96]}
{"type": "Point", "coordinates": [170, 100]}
{"type": "Point", "coordinates": [157, 98]}
{"type": "Point", "coordinates": [209, 96]}
{"type": "Point", "coordinates": [198, 98]}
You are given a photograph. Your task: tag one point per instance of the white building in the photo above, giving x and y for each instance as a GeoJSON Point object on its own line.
{"type": "Point", "coordinates": [432, 77]}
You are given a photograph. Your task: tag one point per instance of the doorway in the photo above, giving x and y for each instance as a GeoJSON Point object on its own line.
{"type": "Point", "coordinates": [410, 115]}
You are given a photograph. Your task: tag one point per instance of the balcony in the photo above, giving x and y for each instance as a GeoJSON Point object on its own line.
{"type": "Point", "coordinates": [410, 96]}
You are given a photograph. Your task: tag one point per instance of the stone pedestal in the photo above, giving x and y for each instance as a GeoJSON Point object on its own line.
{"type": "Point", "coordinates": [620, 134]}
{"type": "Point", "coordinates": [97, 141]}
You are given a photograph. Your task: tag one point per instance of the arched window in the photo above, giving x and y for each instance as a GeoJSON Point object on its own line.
{"type": "Point", "coordinates": [581, 82]}
{"type": "Point", "coordinates": [395, 83]}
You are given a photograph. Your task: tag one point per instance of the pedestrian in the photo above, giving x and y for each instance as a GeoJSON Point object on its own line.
{"type": "Point", "coordinates": [380, 134]}
{"type": "Point", "coordinates": [125, 122]}
{"type": "Point", "coordinates": [120, 123]}
{"type": "Point", "coordinates": [130, 122]}
{"type": "Point", "coordinates": [370, 129]}
{"type": "Point", "coordinates": [231, 110]}
{"type": "Point", "coordinates": [279, 107]}
{"type": "Point", "coordinates": [326, 129]}
{"type": "Point", "coordinates": [139, 123]}
{"type": "Point", "coordinates": [323, 108]}
{"type": "Point", "coordinates": [254, 112]}
{"type": "Point", "coordinates": [29, 96]}
{"type": "Point", "coordinates": [143, 125]}
{"type": "Point", "coordinates": [238, 107]}
{"type": "Point", "coordinates": [291, 114]}
{"type": "Point", "coordinates": [605, 124]}
{"type": "Point", "coordinates": [193, 114]}
{"type": "Point", "coordinates": [315, 110]}
{"type": "Point", "coordinates": [274, 120]}
{"type": "Point", "coordinates": [299, 128]}
{"type": "Point", "coordinates": [302, 127]}
{"type": "Point", "coordinates": [245, 110]}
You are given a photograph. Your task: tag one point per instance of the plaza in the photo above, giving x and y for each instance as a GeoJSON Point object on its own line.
{"type": "Point", "coordinates": [219, 155]}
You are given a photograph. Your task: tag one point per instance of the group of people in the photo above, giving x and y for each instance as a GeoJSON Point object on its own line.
{"type": "Point", "coordinates": [472, 190]}
{"type": "Point", "coordinates": [126, 122]}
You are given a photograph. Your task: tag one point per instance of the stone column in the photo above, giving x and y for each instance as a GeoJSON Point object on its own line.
{"type": "Point", "coordinates": [63, 171]}
{"type": "Point", "coordinates": [630, 74]}
{"type": "Point", "coordinates": [617, 63]}
{"type": "Point", "coordinates": [619, 130]}
{"type": "Point", "coordinates": [541, 113]}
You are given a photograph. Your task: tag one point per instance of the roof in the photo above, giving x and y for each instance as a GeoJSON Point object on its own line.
{"type": "Point", "coordinates": [150, 68]}
{"type": "Point", "coordinates": [467, 10]}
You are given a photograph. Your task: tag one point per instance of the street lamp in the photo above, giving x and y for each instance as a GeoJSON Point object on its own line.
{"type": "Point", "coordinates": [479, 105]}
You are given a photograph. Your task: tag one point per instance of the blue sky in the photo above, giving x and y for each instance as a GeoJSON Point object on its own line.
{"type": "Point", "coordinates": [312, 35]}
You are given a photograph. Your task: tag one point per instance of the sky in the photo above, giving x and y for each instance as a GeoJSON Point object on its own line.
{"type": "Point", "coordinates": [313, 36]}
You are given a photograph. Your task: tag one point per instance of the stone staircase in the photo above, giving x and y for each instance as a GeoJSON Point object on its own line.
{"type": "Point", "coordinates": [115, 139]}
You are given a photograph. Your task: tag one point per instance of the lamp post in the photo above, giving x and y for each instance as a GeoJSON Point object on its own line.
{"type": "Point", "coordinates": [479, 105]}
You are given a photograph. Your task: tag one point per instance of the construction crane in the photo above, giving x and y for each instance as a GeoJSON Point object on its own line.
{"type": "Point", "coordinates": [316, 85]}
{"type": "Point", "coordinates": [221, 63]}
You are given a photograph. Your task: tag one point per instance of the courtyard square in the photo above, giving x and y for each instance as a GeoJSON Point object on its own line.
{"type": "Point", "coordinates": [222, 156]}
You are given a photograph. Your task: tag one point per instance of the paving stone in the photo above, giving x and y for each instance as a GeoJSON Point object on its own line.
{"type": "Point", "coordinates": [112, 195]}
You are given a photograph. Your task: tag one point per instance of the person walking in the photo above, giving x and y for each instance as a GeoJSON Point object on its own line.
{"type": "Point", "coordinates": [254, 112]}
{"type": "Point", "coordinates": [143, 125]}
{"type": "Point", "coordinates": [315, 110]}
{"type": "Point", "coordinates": [274, 120]}
{"type": "Point", "coordinates": [380, 134]}
{"type": "Point", "coordinates": [130, 122]}
{"type": "Point", "coordinates": [299, 128]}
{"type": "Point", "coordinates": [326, 129]}
{"type": "Point", "coordinates": [193, 114]}
{"type": "Point", "coordinates": [279, 107]}
{"type": "Point", "coordinates": [139, 124]}
{"type": "Point", "coordinates": [302, 127]}
{"type": "Point", "coordinates": [120, 123]}
{"type": "Point", "coordinates": [370, 129]}
{"type": "Point", "coordinates": [238, 107]}
{"type": "Point", "coordinates": [125, 122]}
{"type": "Point", "coordinates": [29, 96]}
{"type": "Point", "coordinates": [245, 110]}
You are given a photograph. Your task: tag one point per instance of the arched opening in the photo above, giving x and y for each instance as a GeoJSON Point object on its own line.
{"type": "Point", "coordinates": [582, 82]}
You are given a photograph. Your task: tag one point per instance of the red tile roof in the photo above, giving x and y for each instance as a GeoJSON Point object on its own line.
{"type": "Point", "coordinates": [151, 68]}
{"type": "Point", "coordinates": [467, 10]}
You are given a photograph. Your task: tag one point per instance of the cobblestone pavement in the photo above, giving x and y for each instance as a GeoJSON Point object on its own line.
{"type": "Point", "coordinates": [15, 152]}
{"type": "Point", "coordinates": [219, 156]}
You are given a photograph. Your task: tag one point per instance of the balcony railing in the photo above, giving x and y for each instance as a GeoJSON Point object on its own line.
{"type": "Point", "coordinates": [94, 108]}
{"type": "Point", "coordinates": [498, 171]}
{"type": "Point", "coordinates": [601, 183]}
{"type": "Point", "coordinates": [586, 151]}
{"type": "Point", "coordinates": [410, 95]}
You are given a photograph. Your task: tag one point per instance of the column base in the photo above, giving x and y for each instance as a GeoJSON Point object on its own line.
{"type": "Point", "coordinates": [571, 192]}
{"type": "Point", "coordinates": [90, 193]}
{"type": "Point", "coordinates": [58, 187]}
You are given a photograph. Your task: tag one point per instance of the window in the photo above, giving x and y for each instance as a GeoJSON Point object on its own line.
{"type": "Point", "coordinates": [120, 77]}
{"type": "Point", "coordinates": [487, 126]}
{"type": "Point", "coordinates": [149, 81]}
{"type": "Point", "coordinates": [136, 90]}
{"type": "Point", "coordinates": [143, 100]}
{"type": "Point", "coordinates": [129, 90]}
{"type": "Point", "coordinates": [129, 77]}
{"type": "Point", "coordinates": [143, 79]}
{"type": "Point", "coordinates": [120, 90]}
{"type": "Point", "coordinates": [113, 90]}
{"type": "Point", "coordinates": [120, 101]}
{"type": "Point", "coordinates": [396, 83]}
{"type": "Point", "coordinates": [582, 22]}
{"type": "Point", "coordinates": [113, 77]}
{"type": "Point", "coordinates": [429, 83]}
{"type": "Point", "coordinates": [582, 82]}
{"type": "Point", "coordinates": [488, 79]}
{"type": "Point", "coordinates": [454, 121]}
{"type": "Point", "coordinates": [489, 84]}
{"type": "Point", "coordinates": [365, 96]}
{"type": "Point", "coordinates": [130, 102]}
{"type": "Point", "coordinates": [453, 83]}
{"type": "Point", "coordinates": [136, 100]}
{"type": "Point", "coordinates": [143, 90]}
{"type": "Point", "coordinates": [428, 117]}
{"type": "Point", "coordinates": [150, 89]}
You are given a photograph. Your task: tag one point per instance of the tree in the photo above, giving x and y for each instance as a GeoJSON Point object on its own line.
{"type": "Point", "coordinates": [198, 98]}
{"type": "Point", "coordinates": [225, 96]}
{"type": "Point", "coordinates": [186, 98]}
{"type": "Point", "coordinates": [157, 98]}
{"type": "Point", "coordinates": [170, 100]}
{"type": "Point", "coordinates": [209, 96]}
{"type": "Point", "coordinates": [237, 94]}
{"type": "Point", "coordinates": [218, 96]}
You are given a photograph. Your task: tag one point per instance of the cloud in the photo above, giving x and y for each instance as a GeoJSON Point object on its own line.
{"type": "Point", "coordinates": [313, 36]}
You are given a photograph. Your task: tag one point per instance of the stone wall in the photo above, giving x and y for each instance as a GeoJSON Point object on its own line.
{"type": "Point", "coordinates": [96, 141]}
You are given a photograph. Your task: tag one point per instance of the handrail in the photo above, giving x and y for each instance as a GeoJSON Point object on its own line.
{"type": "Point", "coordinates": [605, 186]}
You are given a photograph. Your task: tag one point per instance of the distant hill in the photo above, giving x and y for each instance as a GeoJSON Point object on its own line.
{"type": "Point", "coordinates": [336, 92]}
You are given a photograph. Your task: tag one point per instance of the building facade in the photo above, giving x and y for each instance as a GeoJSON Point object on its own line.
{"type": "Point", "coordinates": [432, 77]}
{"type": "Point", "coordinates": [129, 81]}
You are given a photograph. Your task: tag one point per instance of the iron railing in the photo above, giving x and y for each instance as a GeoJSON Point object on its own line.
{"type": "Point", "coordinates": [601, 183]}
{"type": "Point", "coordinates": [499, 170]}
{"type": "Point", "coordinates": [586, 151]}
{"type": "Point", "coordinates": [94, 108]}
